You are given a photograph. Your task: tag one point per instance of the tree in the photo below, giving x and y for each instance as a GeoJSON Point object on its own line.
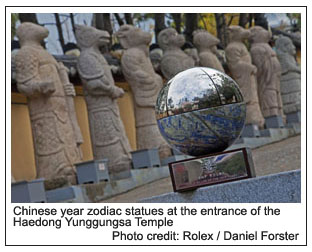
{"type": "Point", "coordinates": [72, 21]}
{"type": "Point", "coordinates": [118, 18]}
{"type": "Point", "coordinates": [261, 20]}
{"type": "Point", "coordinates": [159, 23]}
{"type": "Point", "coordinates": [191, 24]}
{"type": "Point", "coordinates": [102, 21]}
{"type": "Point", "coordinates": [129, 19]}
{"type": "Point", "coordinates": [28, 17]}
{"type": "Point", "coordinates": [243, 19]}
{"type": "Point", "coordinates": [177, 18]}
{"type": "Point", "coordinates": [59, 30]}
{"type": "Point", "coordinates": [14, 18]}
{"type": "Point", "coordinates": [221, 26]}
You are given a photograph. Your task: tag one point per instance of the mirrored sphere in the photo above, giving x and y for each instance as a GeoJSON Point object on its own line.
{"type": "Point", "coordinates": [200, 111]}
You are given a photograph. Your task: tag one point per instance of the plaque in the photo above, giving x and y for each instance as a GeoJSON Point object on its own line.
{"type": "Point", "coordinates": [211, 169]}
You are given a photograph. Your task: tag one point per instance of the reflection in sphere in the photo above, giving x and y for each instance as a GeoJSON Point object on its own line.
{"type": "Point", "coordinates": [200, 111]}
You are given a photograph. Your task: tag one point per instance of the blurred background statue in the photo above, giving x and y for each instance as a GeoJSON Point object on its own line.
{"type": "Point", "coordinates": [107, 131]}
{"type": "Point", "coordinates": [174, 60]}
{"type": "Point", "coordinates": [39, 77]}
{"type": "Point", "coordinates": [244, 72]}
{"type": "Point", "coordinates": [268, 75]}
{"type": "Point", "coordinates": [207, 48]}
{"type": "Point", "coordinates": [145, 84]}
{"type": "Point", "coordinates": [290, 79]}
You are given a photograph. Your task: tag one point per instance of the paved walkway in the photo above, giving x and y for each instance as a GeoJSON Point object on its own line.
{"type": "Point", "coordinates": [272, 158]}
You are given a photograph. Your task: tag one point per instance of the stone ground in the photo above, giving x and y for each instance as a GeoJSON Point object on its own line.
{"type": "Point", "coordinates": [268, 159]}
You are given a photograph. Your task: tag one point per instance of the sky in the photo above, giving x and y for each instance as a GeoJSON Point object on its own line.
{"type": "Point", "coordinates": [53, 44]}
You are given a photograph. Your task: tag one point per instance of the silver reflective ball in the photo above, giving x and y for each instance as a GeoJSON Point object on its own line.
{"type": "Point", "coordinates": [200, 111]}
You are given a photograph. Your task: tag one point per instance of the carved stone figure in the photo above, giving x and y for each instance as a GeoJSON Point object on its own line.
{"type": "Point", "coordinates": [41, 79]}
{"type": "Point", "coordinates": [145, 84]}
{"type": "Point", "coordinates": [191, 51]}
{"type": "Point", "coordinates": [244, 72]}
{"type": "Point", "coordinates": [291, 75]}
{"type": "Point", "coordinates": [268, 74]}
{"type": "Point", "coordinates": [206, 45]}
{"type": "Point", "coordinates": [155, 54]}
{"type": "Point", "coordinates": [174, 59]}
{"type": "Point", "coordinates": [70, 94]}
{"type": "Point", "coordinates": [107, 131]}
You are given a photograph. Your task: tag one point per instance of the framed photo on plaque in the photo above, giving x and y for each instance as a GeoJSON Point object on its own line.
{"type": "Point", "coordinates": [211, 169]}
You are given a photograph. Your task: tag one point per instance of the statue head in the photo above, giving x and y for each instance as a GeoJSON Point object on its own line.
{"type": "Point", "coordinates": [237, 33]}
{"type": "Point", "coordinates": [284, 45]}
{"type": "Point", "coordinates": [259, 35]}
{"type": "Point", "coordinates": [204, 40]}
{"type": "Point", "coordinates": [88, 36]}
{"type": "Point", "coordinates": [130, 36]}
{"type": "Point", "coordinates": [169, 38]}
{"type": "Point", "coordinates": [30, 32]}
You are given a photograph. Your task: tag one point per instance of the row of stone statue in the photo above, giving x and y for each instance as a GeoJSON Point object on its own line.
{"type": "Point", "coordinates": [56, 133]}
{"type": "Point", "coordinates": [262, 74]}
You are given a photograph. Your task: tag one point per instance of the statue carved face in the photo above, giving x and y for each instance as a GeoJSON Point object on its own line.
{"type": "Point", "coordinates": [284, 45]}
{"type": "Point", "coordinates": [31, 32]}
{"type": "Point", "coordinates": [169, 38]}
{"type": "Point", "coordinates": [130, 36]}
{"type": "Point", "coordinates": [259, 35]}
{"type": "Point", "coordinates": [203, 39]}
{"type": "Point", "coordinates": [237, 33]}
{"type": "Point", "coordinates": [88, 36]}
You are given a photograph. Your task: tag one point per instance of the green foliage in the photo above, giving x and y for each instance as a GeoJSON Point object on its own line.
{"type": "Point", "coordinates": [295, 18]}
{"type": "Point", "coordinates": [235, 165]}
{"type": "Point", "coordinates": [14, 19]}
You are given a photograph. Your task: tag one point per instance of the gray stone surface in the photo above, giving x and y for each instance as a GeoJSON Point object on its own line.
{"type": "Point", "coordinates": [93, 171]}
{"type": "Point", "coordinates": [28, 191]}
{"type": "Point", "coordinates": [267, 136]}
{"type": "Point", "coordinates": [250, 130]}
{"type": "Point", "coordinates": [294, 117]}
{"type": "Point", "coordinates": [145, 158]}
{"type": "Point", "coordinates": [107, 131]}
{"type": "Point", "coordinates": [274, 122]}
{"type": "Point", "coordinates": [282, 187]}
{"type": "Point", "coordinates": [89, 193]}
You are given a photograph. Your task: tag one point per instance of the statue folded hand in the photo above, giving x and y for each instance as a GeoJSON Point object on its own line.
{"type": "Point", "coordinates": [47, 87]}
{"type": "Point", "coordinates": [69, 89]}
{"type": "Point", "coordinates": [117, 93]}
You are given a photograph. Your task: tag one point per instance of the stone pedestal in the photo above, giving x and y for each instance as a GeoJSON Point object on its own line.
{"type": "Point", "coordinates": [92, 171]}
{"type": "Point", "coordinates": [145, 158]}
{"type": "Point", "coordinates": [293, 117]}
{"type": "Point", "coordinates": [274, 122]}
{"type": "Point", "coordinates": [28, 192]}
{"type": "Point", "coordinates": [251, 130]}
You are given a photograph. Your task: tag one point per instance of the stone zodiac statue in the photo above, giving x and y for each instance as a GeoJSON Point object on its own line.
{"type": "Point", "coordinates": [206, 45]}
{"type": "Point", "coordinates": [244, 72]}
{"type": "Point", "coordinates": [107, 131]}
{"type": "Point", "coordinates": [55, 131]}
{"type": "Point", "coordinates": [174, 59]}
{"type": "Point", "coordinates": [269, 72]}
{"type": "Point", "coordinates": [290, 79]}
{"type": "Point", "coordinates": [145, 84]}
